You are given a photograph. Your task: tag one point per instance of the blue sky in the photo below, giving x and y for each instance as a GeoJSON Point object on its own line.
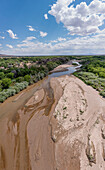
{"type": "Point", "coordinates": [57, 27]}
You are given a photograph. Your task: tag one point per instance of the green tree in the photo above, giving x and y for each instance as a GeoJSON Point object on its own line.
{"type": "Point", "coordinates": [2, 75]}
{"type": "Point", "coordinates": [0, 85]}
{"type": "Point", "coordinates": [10, 75]}
{"type": "Point", "coordinates": [6, 82]}
{"type": "Point", "coordinates": [27, 78]}
{"type": "Point", "coordinates": [19, 79]}
{"type": "Point", "coordinates": [51, 65]}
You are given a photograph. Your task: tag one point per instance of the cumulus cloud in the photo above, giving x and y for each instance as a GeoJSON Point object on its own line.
{"type": "Point", "coordinates": [58, 40]}
{"type": "Point", "coordinates": [29, 39]}
{"type": "Point", "coordinates": [83, 19]}
{"type": "Point", "coordinates": [12, 35]}
{"type": "Point", "coordinates": [43, 34]}
{"type": "Point", "coordinates": [45, 16]}
{"type": "Point", "coordinates": [2, 37]}
{"type": "Point", "coordinates": [61, 39]}
{"type": "Point", "coordinates": [27, 42]}
{"type": "Point", "coordinates": [94, 44]}
{"type": "Point", "coordinates": [53, 41]}
{"type": "Point", "coordinates": [10, 46]}
{"type": "Point", "coordinates": [31, 28]}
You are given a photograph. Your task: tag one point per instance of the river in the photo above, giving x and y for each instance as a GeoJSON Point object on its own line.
{"type": "Point", "coordinates": [25, 136]}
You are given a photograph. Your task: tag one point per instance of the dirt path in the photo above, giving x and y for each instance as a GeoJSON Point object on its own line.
{"type": "Point", "coordinates": [56, 125]}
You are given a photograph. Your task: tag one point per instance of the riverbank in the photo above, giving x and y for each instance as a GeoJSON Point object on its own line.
{"type": "Point", "coordinates": [58, 123]}
{"type": "Point", "coordinates": [79, 131]}
{"type": "Point", "coordinates": [61, 68]}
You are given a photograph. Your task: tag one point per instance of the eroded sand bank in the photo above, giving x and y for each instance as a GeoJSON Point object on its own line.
{"type": "Point", "coordinates": [79, 133]}
{"type": "Point", "coordinates": [61, 126]}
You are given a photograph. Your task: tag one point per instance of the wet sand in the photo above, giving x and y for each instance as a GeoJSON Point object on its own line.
{"type": "Point", "coordinates": [56, 124]}
{"type": "Point", "coordinates": [25, 138]}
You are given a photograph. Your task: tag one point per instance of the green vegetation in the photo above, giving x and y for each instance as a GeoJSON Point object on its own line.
{"type": "Point", "coordinates": [93, 72]}
{"type": "Point", "coordinates": [2, 75]}
{"type": "Point", "coordinates": [6, 83]}
{"type": "Point", "coordinates": [16, 73]}
{"type": "Point", "coordinates": [81, 112]}
{"type": "Point", "coordinates": [64, 108]}
{"type": "Point", "coordinates": [27, 78]}
{"type": "Point", "coordinates": [11, 91]}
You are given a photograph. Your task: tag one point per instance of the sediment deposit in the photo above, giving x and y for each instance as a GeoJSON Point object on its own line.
{"type": "Point", "coordinates": [54, 125]}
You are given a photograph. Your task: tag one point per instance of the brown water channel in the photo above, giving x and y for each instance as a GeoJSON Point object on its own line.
{"type": "Point", "coordinates": [14, 103]}
{"type": "Point", "coordinates": [25, 134]}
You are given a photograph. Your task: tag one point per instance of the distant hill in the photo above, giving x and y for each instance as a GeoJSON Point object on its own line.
{"type": "Point", "coordinates": [5, 55]}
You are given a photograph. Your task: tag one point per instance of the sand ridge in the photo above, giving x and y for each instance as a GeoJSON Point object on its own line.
{"type": "Point", "coordinates": [79, 125]}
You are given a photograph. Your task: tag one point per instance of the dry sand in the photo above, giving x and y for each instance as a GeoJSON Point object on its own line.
{"type": "Point", "coordinates": [63, 67]}
{"type": "Point", "coordinates": [58, 129]}
{"type": "Point", "coordinates": [79, 134]}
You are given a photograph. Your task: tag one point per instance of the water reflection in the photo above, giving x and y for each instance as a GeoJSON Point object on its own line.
{"type": "Point", "coordinates": [61, 73]}
{"type": "Point", "coordinates": [69, 71]}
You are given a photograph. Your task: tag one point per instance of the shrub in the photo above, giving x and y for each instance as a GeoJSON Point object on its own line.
{"type": "Point", "coordinates": [6, 82]}
{"type": "Point", "coordinates": [95, 81]}
{"type": "Point", "coordinates": [27, 78]}
{"type": "Point", "coordinates": [102, 93]}
{"type": "Point", "coordinates": [7, 93]}
{"type": "Point", "coordinates": [51, 65]}
{"type": "Point", "coordinates": [0, 83]}
{"type": "Point", "coordinates": [19, 79]}
{"type": "Point", "coordinates": [15, 88]}
{"type": "Point", "coordinates": [2, 99]}
{"type": "Point", "coordinates": [10, 75]}
{"type": "Point", "coordinates": [12, 90]}
{"type": "Point", "coordinates": [2, 75]}
{"type": "Point", "coordinates": [21, 86]}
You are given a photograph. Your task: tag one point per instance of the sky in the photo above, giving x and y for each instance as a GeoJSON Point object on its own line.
{"type": "Point", "coordinates": [57, 27]}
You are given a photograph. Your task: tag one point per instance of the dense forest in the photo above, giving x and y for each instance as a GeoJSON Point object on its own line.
{"type": "Point", "coordinates": [16, 73]}
{"type": "Point", "coordinates": [93, 72]}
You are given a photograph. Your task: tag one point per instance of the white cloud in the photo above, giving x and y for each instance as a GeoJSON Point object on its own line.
{"type": "Point", "coordinates": [29, 39]}
{"type": "Point", "coordinates": [58, 40]}
{"type": "Point", "coordinates": [31, 28]}
{"type": "Point", "coordinates": [83, 19]}
{"type": "Point", "coordinates": [2, 37]}
{"type": "Point", "coordinates": [12, 35]}
{"type": "Point", "coordinates": [43, 34]}
{"type": "Point", "coordinates": [45, 16]}
{"type": "Point", "coordinates": [61, 39]}
{"type": "Point", "coordinates": [87, 45]}
{"type": "Point", "coordinates": [27, 42]}
{"type": "Point", "coordinates": [53, 41]}
{"type": "Point", "coordinates": [10, 46]}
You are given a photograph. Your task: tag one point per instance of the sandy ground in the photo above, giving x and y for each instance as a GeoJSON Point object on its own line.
{"type": "Point", "coordinates": [79, 134]}
{"type": "Point", "coordinates": [62, 67]}
{"type": "Point", "coordinates": [53, 126]}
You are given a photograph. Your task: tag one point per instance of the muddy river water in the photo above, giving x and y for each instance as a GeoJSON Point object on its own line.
{"type": "Point", "coordinates": [25, 131]}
